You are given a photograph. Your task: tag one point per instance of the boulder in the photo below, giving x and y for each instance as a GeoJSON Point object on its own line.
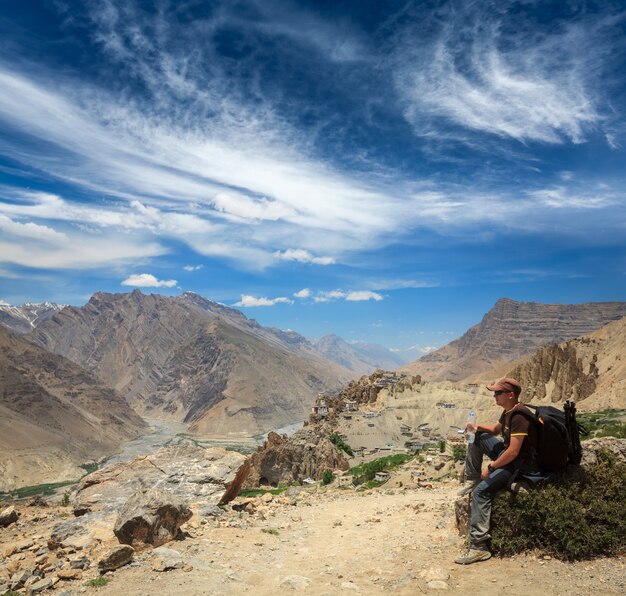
{"type": "Point", "coordinates": [153, 517]}
{"type": "Point", "coordinates": [193, 474]}
{"type": "Point", "coordinates": [462, 508]}
{"type": "Point", "coordinates": [8, 516]}
{"type": "Point", "coordinates": [117, 557]}
{"type": "Point", "coordinates": [593, 446]}
{"type": "Point", "coordinates": [166, 558]}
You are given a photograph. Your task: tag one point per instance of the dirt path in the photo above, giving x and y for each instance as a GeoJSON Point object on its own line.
{"type": "Point", "coordinates": [346, 542]}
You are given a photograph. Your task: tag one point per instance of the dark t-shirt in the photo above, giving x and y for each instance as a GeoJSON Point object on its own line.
{"type": "Point", "coordinates": [520, 426]}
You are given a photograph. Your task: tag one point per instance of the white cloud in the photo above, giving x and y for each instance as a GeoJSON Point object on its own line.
{"type": "Point", "coordinates": [354, 296]}
{"type": "Point", "coordinates": [479, 75]}
{"type": "Point", "coordinates": [303, 256]}
{"type": "Point", "coordinates": [362, 296]}
{"type": "Point", "coordinates": [251, 301]}
{"type": "Point", "coordinates": [249, 208]}
{"type": "Point", "coordinates": [193, 267]}
{"type": "Point", "coordinates": [48, 248]}
{"type": "Point", "coordinates": [303, 293]}
{"type": "Point", "coordinates": [560, 198]}
{"type": "Point", "coordinates": [147, 280]}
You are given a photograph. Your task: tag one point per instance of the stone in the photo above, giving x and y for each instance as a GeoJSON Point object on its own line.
{"type": "Point", "coordinates": [80, 563]}
{"type": "Point", "coordinates": [295, 582]}
{"type": "Point", "coordinates": [40, 585]}
{"type": "Point", "coordinates": [166, 558]}
{"type": "Point", "coordinates": [19, 579]}
{"type": "Point", "coordinates": [116, 558]}
{"type": "Point", "coordinates": [69, 574]}
{"type": "Point", "coordinates": [70, 534]}
{"type": "Point", "coordinates": [437, 585]}
{"type": "Point", "coordinates": [435, 574]}
{"type": "Point", "coordinates": [153, 517]}
{"type": "Point", "coordinates": [37, 501]}
{"type": "Point", "coordinates": [462, 508]}
{"type": "Point", "coordinates": [349, 585]}
{"type": "Point", "coordinates": [267, 497]}
{"type": "Point", "coordinates": [211, 511]}
{"type": "Point", "coordinates": [8, 516]}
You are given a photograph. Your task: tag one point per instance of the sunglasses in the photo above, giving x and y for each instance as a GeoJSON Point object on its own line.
{"type": "Point", "coordinates": [500, 392]}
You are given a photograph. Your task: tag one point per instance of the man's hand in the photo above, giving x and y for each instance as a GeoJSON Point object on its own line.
{"type": "Point", "coordinates": [484, 474]}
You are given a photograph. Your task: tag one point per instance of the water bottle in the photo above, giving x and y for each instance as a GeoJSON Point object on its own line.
{"type": "Point", "coordinates": [470, 428]}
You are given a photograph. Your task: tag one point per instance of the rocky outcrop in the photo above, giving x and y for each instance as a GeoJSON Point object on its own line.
{"type": "Point", "coordinates": [560, 371]}
{"type": "Point", "coordinates": [153, 517]}
{"type": "Point", "coordinates": [54, 416]}
{"type": "Point", "coordinates": [366, 389]}
{"type": "Point", "coordinates": [510, 330]}
{"type": "Point", "coordinates": [117, 557]}
{"type": "Point", "coordinates": [306, 454]}
{"type": "Point", "coordinates": [589, 369]}
{"type": "Point", "coordinates": [191, 474]}
{"type": "Point", "coordinates": [193, 360]}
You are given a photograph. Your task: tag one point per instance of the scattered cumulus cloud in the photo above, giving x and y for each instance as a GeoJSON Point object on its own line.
{"type": "Point", "coordinates": [353, 296]}
{"type": "Point", "coordinates": [303, 256]}
{"type": "Point", "coordinates": [303, 293]}
{"type": "Point", "coordinates": [252, 301]}
{"type": "Point", "coordinates": [147, 280]}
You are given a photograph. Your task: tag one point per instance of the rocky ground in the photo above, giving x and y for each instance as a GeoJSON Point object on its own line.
{"type": "Point", "coordinates": [313, 541]}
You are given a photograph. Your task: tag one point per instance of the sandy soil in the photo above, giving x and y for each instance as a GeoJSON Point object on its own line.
{"type": "Point", "coordinates": [340, 542]}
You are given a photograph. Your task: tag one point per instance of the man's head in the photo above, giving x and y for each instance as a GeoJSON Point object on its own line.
{"type": "Point", "coordinates": [506, 391]}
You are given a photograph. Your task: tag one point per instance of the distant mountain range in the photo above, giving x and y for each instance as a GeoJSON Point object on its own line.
{"type": "Point", "coordinates": [23, 319]}
{"type": "Point", "coordinates": [509, 331]}
{"type": "Point", "coordinates": [54, 415]}
{"type": "Point", "coordinates": [193, 360]}
{"type": "Point", "coordinates": [360, 357]}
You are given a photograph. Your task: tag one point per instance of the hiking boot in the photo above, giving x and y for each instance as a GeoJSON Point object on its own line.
{"type": "Point", "coordinates": [473, 555]}
{"type": "Point", "coordinates": [468, 487]}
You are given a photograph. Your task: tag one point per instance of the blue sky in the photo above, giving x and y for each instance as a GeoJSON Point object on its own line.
{"type": "Point", "coordinates": [382, 170]}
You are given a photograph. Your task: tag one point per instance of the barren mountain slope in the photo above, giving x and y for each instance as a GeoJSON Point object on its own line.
{"type": "Point", "coordinates": [54, 415]}
{"type": "Point", "coordinates": [190, 359]}
{"type": "Point", "coordinates": [511, 330]}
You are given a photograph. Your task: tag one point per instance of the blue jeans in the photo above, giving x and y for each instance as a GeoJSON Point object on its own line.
{"type": "Point", "coordinates": [482, 496]}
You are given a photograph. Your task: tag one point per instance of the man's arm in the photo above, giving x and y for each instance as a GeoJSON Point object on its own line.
{"type": "Point", "coordinates": [493, 429]}
{"type": "Point", "coordinates": [507, 456]}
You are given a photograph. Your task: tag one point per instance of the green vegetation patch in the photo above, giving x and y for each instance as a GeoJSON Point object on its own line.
{"type": "Point", "coordinates": [569, 520]}
{"type": "Point", "coordinates": [341, 444]}
{"type": "Point", "coordinates": [44, 490]}
{"type": "Point", "coordinates": [366, 472]}
{"type": "Point", "coordinates": [99, 582]}
{"type": "Point", "coordinates": [606, 423]}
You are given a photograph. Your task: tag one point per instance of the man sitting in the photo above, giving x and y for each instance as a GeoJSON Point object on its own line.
{"type": "Point", "coordinates": [515, 454]}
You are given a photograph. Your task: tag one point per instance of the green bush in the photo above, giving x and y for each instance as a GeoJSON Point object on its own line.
{"type": "Point", "coordinates": [570, 520]}
{"type": "Point", "coordinates": [327, 477]}
{"type": "Point", "coordinates": [341, 444]}
{"type": "Point", "coordinates": [459, 452]}
{"type": "Point", "coordinates": [442, 446]}
{"type": "Point", "coordinates": [99, 581]}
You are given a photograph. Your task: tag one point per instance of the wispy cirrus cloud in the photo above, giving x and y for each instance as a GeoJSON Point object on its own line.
{"type": "Point", "coordinates": [147, 280]}
{"type": "Point", "coordinates": [481, 73]}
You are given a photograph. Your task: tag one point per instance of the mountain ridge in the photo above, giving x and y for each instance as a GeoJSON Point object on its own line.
{"type": "Point", "coordinates": [509, 331]}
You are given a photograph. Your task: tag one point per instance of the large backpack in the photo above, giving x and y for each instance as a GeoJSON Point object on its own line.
{"type": "Point", "coordinates": [558, 435]}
